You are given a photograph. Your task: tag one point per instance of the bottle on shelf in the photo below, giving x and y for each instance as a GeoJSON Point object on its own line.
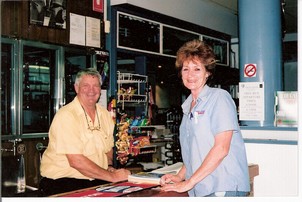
{"type": "Point", "coordinates": [21, 183]}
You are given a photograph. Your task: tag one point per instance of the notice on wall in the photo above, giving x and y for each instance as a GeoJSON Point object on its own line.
{"type": "Point", "coordinates": [251, 101]}
{"type": "Point", "coordinates": [77, 29]}
{"type": "Point", "coordinates": [103, 98]}
{"type": "Point", "coordinates": [93, 32]}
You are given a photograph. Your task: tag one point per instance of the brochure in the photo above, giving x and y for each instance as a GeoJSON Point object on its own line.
{"type": "Point", "coordinates": [114, 190]}
{"type": "Point", "coordinates": [286, 109]}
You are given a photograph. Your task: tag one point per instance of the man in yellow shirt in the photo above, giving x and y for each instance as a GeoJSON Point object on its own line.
{"type": "Point", "coordinates": [79, 153]}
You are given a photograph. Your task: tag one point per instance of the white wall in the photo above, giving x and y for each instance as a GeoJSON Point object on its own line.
{"type": "Point", "coordinates": [278, 163]}
{"type": "Point", "coordinates": [203, 13]}
{"type": "Point", "coordinates": [278, 169]}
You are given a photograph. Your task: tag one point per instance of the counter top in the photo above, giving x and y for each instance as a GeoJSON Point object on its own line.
{"type": "Point", "coordinates": [274, 134]}
{"type": "Point", "coordinates": [120, 189]}
{"type": "Point", "coordinates": [148, 191]}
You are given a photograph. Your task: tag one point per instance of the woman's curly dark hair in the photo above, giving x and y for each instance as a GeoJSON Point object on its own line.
{"type": "Point", "coordinates": [197, 49]}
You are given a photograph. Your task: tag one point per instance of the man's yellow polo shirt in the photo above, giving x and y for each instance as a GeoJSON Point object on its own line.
{"type": "Point", "coordinates": [69, 134]}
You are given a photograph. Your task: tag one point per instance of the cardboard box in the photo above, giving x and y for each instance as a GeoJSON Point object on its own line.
{"type": "Point", "coordinates": [253, 172]}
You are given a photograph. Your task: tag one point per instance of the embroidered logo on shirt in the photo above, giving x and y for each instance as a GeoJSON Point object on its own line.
{"type": "Point", "coordinates": [200, 112]}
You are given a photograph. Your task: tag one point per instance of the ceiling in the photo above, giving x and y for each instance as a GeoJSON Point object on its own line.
{"type": "Point", "coordinates": [290, 12]}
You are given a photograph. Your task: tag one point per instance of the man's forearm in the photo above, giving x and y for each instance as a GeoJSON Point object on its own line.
{"type": "Point", "coordinates": [89, 168]}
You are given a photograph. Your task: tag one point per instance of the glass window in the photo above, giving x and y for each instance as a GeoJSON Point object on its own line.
{"type": "Point", "coordinates": [173, 39]}
{"type": "Point", "coordinates": [220, 48]}
{"type": "Point", "coordinates": [33, 92]}
{"type": "Point", "coordinates": [138, 33]}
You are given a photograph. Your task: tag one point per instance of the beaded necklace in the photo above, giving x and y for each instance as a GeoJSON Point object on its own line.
{"type": "Point", "coordinates": [92, 128]}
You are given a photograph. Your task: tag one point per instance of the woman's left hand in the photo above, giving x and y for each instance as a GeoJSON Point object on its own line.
{"type": "Point", "coordinates": [179, 187]}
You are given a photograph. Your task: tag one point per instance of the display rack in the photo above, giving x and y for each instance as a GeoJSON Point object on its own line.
{"type": "Point", "coordinates": [131, 89]}
{"type": "Point", "coordinates": [132, 141]}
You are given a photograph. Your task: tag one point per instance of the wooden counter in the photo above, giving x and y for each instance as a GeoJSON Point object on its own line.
{"type": "Point", "coordinates": [156, 191]}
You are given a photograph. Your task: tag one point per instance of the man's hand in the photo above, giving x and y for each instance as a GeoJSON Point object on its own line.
{"type": "Point", "coordinates": [120, 174]}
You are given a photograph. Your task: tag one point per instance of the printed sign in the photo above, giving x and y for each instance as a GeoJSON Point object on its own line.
{"type": "Point", "coordinates": [98, 6]}
{"type": "Point", "coordinates": [251, 101]}
{"type": "Point", "coordinates": [250, 70]}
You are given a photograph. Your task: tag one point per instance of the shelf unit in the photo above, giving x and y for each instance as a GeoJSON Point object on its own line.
{"type": "Point", "coordinates": [174, 117]}
{"type": "Point", "coordinates": [131, 89]}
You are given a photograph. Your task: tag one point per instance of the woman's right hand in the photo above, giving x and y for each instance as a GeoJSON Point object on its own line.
{"type": "Point", "coordinates": [170, 179]}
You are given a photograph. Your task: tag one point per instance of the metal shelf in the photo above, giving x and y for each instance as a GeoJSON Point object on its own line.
{"type": "Point", "coordinates": [131, 89]}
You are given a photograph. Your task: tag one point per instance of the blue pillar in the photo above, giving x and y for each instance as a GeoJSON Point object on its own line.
{"type": "Point", "coordinates": [260, 43]}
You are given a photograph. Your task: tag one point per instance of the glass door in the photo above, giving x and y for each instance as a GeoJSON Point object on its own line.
{"type": "Point", "coordinates": [6, 83]}
{"type": "Point", "coordinates": [38, 81]}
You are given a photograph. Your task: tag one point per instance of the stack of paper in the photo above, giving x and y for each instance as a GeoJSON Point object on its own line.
{"type": "Point", "coordinates": [154, 176]}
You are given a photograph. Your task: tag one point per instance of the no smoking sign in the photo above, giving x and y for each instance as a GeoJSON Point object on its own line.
{"type": "Point", "coordinates": [250, 70]}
